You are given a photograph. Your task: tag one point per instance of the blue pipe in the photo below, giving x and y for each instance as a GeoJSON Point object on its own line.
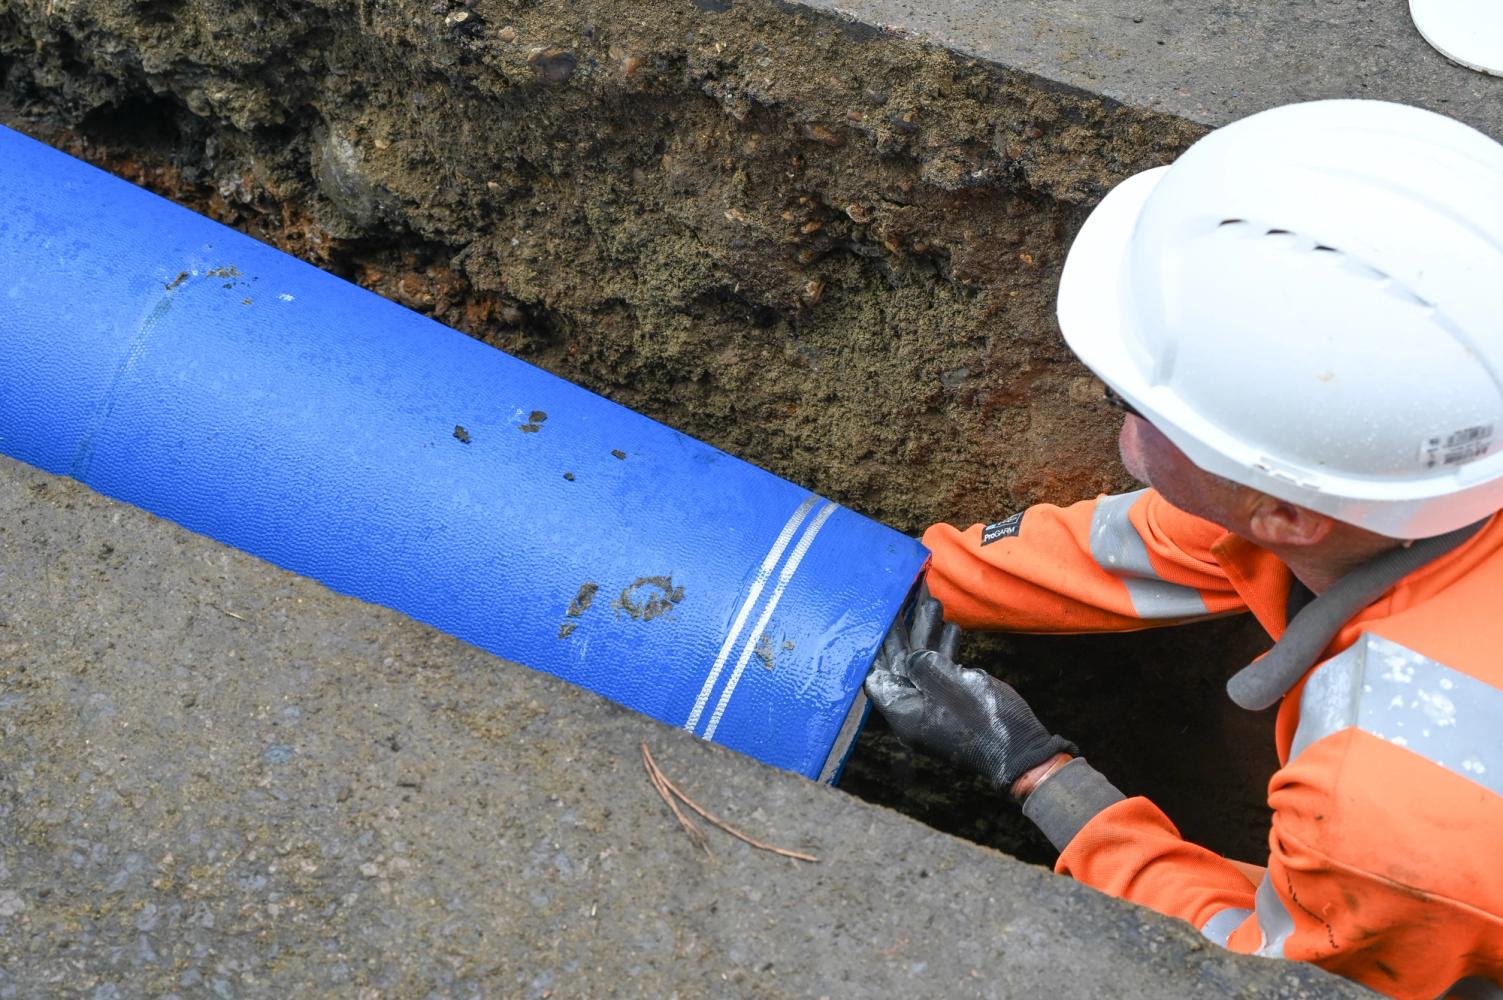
{"type": "Point", "coordinates": [175, 364]}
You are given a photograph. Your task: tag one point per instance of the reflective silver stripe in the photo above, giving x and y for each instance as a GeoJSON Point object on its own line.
{"type": "Point", "coordinates": [1410, 700]}
{"type": "Point", "coordinates": [1474, 988]}
{"type": "Point", "coordinates": [785, 575]}
{"type": "Point", "coordinates": [1220, 926]}
{"type": "Point", "coordinates": [1118, 548]}
{"type": "Point", "coordinates": [1273, 920]}
{"type": "Point", "coordinates": [764, 572]}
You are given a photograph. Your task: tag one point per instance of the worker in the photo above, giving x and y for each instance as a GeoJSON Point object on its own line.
{"type": "Point", "coordinates": [1303, 320]}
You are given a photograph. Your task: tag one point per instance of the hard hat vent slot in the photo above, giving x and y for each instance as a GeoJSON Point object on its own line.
{"type": "Point", "coordinates": [1295, 241]}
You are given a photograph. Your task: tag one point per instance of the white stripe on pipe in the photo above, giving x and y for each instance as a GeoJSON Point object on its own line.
{"type": "Point", "coordinates": [789, 568]}
{"type": "Point", "coordinates": [763, 572]}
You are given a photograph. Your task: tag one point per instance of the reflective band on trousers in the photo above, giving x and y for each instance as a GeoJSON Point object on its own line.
{"type": "Point", "coordinates": [1410, 700]}
{"type": "Point", "coordinates": [1276, 926]}
{"type": "Point", "coordinates": [1119, 549]}
{"type": "Point", "coordinates": [1220, 926]}
{"type": "Point", "coordinates": [1273, 920]}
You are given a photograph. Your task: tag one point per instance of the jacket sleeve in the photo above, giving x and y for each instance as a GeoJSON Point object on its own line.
{"type": "Point", "coordinates": [1113, 564]}
{"type": "Point", "coordinates": [1132, 851]}
{"type": "Point", "coordinates": [1306, 906]}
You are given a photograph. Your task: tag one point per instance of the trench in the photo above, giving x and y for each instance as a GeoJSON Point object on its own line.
{"type": "Point", "coordinates": [823, 248]}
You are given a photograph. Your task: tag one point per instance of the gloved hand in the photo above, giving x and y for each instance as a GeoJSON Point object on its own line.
{"type": "Point", "coordinates": [965, 716]}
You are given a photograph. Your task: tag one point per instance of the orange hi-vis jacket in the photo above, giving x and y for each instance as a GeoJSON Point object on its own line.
{"type": "Point", "coordinates": [1385, 859]}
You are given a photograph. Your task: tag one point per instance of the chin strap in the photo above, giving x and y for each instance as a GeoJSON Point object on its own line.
{"type": "Point", "coordinates": [1264, 681]}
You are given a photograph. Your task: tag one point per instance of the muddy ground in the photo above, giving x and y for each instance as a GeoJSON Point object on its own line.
{"type": "Point", "coordinates": [824, 248]}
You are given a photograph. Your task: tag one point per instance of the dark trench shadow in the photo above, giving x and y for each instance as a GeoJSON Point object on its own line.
{"type": "Point", "coordinates": [1150, 711]}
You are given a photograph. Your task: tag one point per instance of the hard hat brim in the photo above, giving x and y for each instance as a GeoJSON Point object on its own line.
{"type": "Point", "coordinates": [1468, 32]}
{"type": "Point", "coordinates": [1124, 308]}
{"type": "Point", "coordinates": [1092, 306]}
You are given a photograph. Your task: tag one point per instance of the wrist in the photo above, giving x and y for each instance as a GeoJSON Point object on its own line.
{"type": "Point", "coordinates": [1035, 776]}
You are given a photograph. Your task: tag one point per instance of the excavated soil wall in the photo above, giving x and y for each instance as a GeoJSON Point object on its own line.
{"type": "Point", "coordinates": [823, 247]}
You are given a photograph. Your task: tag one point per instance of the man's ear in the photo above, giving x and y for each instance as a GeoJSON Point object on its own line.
{"type": "Point", "coordinates": [1275, 522]}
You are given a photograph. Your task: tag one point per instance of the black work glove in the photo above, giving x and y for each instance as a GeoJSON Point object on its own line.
{"type": "Point", "coordinates": [965, 716]}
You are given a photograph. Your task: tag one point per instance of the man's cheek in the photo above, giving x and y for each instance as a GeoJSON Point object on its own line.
{"type": "Point", "coordinates": [1130, 447]}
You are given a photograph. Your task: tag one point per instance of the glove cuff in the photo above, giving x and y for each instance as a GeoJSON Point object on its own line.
{"type": "Point", "coordinates": [1032, 756]}
{"type": "Point", "coordinates": [1068, 800]}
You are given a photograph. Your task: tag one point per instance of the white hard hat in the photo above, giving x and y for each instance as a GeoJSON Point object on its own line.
{"type": "Point", "coordinates": [1469, 32]}
{"type": "Point", "coordinates": [1310, 302]}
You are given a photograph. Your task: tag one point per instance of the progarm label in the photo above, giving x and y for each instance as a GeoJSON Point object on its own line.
{"type": "Point", "coordinates": [1006, 528]}
{"type": "Point", "coordinates": [1456, 447]}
